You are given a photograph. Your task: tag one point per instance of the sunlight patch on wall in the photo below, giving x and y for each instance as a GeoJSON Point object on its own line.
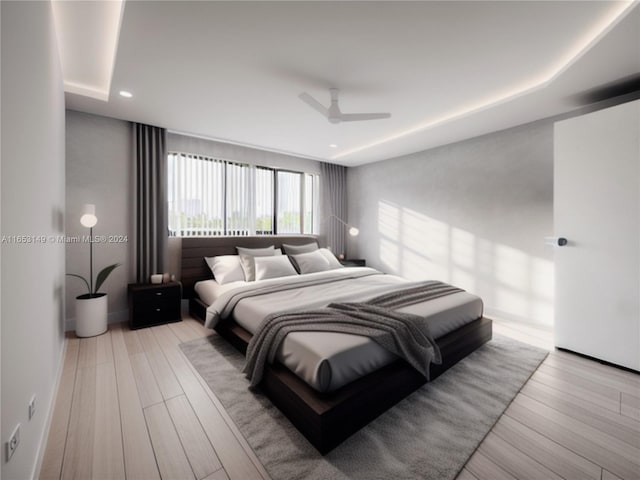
{"type": "Point", "coordinates": [463, 245]}
{"type": "Point", "coordinates": [389, 221]}
{"type": "Point", "coordinates": [416, 266]}
{"type": "Point", "coordinates": [542, 278]}
{"type": "Point", "coordinates": [512, 283]}
{"type": "Point", "coordinates": [390, 255]}
{"type": "Point", "coordinates": [425, 236]}
{"type": "Point", "coordinates": [512, 301]}
{"type": "Point", "coordinates": [542, 289]}
{"type": "Point", "coordinates": [511, 267]}
{"type": "Point", "coordinates": [389, 229]}
{"type": "Point", "coordinates": [463, 279]}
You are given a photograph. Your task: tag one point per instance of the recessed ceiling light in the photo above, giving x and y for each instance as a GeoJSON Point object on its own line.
{"type": "Point", "coordinates": [125, 94]}
{"type": "Point", "coordinates": [333, 145]}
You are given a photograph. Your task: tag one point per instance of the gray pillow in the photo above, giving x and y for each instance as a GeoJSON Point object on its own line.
{"type": "Point", "coordinates": [256, 252]}
{"type": "Point", "coordinates": [298, 249]}
{"type": "Point", "coordinates": [246, 259]}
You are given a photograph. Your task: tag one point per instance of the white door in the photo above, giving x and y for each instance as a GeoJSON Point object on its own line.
{"type": "Point", "coordinates": [597, 208]}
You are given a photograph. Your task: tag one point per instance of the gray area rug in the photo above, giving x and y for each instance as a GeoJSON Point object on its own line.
{"type": "Point", "coordinates": [429, 435]}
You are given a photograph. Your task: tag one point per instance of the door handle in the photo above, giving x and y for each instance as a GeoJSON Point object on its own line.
{"type": "Point", "coordinates": [556, 241]}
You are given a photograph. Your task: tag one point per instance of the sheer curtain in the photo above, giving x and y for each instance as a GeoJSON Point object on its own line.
{"type": "Point", "coordinates": [150, 199]}
{"type": "Point", "coordinates": [333, 180]}
{"type": "Point", "coordinates": [196, 195]}
{"type": "Point", "coordinates": [241, 204]}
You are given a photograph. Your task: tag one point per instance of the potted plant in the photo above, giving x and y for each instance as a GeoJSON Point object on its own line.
{"type": "Point", "coordinates": [91, 307]}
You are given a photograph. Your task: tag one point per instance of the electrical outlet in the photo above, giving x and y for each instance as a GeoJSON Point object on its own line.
{"type": "Point", "coordinates": [13, 442]}
{"type": "Point", "coordinates": [32, 407]}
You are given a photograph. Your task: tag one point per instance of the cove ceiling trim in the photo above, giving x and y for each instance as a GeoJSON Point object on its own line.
{"type": "Point", "coordinates": [538, 81]}
{"type": "Point", "coordinates": [88, 34]}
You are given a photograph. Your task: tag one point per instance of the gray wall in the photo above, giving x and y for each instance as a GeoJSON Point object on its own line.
{"type": "Point", "coordinates": [238, 153]}
{"type": "Point", "coordinates": [472, 213]}
{"type": "Point", "coordinates": [98, 171]}
{"type": "Point", "coordinates": [32, 198]}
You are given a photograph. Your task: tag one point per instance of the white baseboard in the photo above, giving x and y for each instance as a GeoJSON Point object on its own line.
{"type": "Point", "coordinates": [42, 445]}
{"type": "Point", "coordinates": [501, 314]}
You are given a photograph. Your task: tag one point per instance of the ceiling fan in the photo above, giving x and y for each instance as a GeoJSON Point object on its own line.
{"type": "Point", "coordinates": [333, 113]}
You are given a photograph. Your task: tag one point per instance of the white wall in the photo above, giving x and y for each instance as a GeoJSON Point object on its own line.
{"type": "Point", "coordinates": [98, 171]}
{"type": "Point", "coordinates": [473, 213]}
{"type": "Point", "coordinates": [33, 158]}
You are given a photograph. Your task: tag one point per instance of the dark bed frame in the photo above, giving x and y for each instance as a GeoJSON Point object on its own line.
{"type": "Point", "coordinates": [325, 419]}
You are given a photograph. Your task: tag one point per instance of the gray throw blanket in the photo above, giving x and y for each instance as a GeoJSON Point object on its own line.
{"type": "Point", "coordinates": [403, 334]}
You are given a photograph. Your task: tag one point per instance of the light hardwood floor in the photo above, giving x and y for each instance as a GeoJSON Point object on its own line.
{"type": "Point", "coordinates": [131, 406]}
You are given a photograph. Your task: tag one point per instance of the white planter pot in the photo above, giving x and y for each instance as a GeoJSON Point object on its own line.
{"type": "Point", "coordinates": [91, 315]}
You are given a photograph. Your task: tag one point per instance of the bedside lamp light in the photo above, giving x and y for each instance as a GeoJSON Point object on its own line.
{"type": "Point", "coordinates": [353, 231]}
{"type": "Point", "coordinates": [89, 220]}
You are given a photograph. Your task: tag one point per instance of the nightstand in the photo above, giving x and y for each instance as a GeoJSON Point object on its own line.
{"type": "Point", "coordinates": [354, 262]}
{"type": "Point", "coordinates": [154, 304]}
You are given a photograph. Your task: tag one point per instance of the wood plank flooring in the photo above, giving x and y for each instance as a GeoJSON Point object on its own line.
{"type": "Point", "coordinates": [573, 419]}
{"type": "Point", "coordinates": [131, 406]}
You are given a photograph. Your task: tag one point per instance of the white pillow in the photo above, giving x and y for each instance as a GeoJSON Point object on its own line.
{"type": "Point", "coordinates": [331, 258]}
{"type": "Point", "coordinates": [225, 268]}
{"type": "Point", "coordinates": [273, 267]}
{"type": "Point", "coordinates": [246, 259]}
{"type": "Point", "coordinates": [311, 262]}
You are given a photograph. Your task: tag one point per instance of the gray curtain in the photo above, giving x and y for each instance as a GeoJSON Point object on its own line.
{"type": "Point", "coordinates": [333, 181]}
{"type": "Point", "coordinates": [150, 199]}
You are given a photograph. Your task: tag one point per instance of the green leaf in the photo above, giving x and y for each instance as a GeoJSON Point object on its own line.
{"type": "Point", "coordinates": [83, 279]}
{"type": "Point", "coordinates": [102, 276]}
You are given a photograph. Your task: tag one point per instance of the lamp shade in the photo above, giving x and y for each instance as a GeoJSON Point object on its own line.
{"type": "Point", "coordinates": [353, 231]}
{"type": "Point", "coordinates": [88, 218]}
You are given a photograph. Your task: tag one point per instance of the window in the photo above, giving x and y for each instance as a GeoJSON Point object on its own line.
{"type": "Point", "coordinates": [210, 197]}
{"type": "Point", "coordinates": [196, 206]}
{"type": "Point", "coordinates": [264, 201]}
{"type": "Point", "coordinates": [289, 204]}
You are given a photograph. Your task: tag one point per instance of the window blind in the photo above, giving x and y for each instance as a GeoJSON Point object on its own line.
{"type": "Point", "coordinates": [209, 197]}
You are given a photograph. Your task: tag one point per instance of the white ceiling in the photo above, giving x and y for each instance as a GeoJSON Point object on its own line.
{"type": "Point", "coordinates": [233, 71]}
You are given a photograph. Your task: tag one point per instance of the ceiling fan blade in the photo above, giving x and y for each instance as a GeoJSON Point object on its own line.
{"type": "Point", "coordinates": [354, 117]}
{"type": "Point", "coordinates": [313, 103]}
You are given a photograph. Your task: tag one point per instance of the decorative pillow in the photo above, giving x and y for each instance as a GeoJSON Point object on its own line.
{"type": "Point", "coordinates": [331, 258]}
{"type": "Point", "coordinates": [311, 262]}
{"type": "Point", "coordinates": [256, 252]}
{"type": "Point", "coordinates": [246, 259]}
{"type": "Point", "coordinates": [273, 267]}
{"type": "Point", "coordinates": [225, 268]}
{"type": "Point", "coordinates": [298, 249]}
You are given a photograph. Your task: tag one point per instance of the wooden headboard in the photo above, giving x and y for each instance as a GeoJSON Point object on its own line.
{"type": "Point", "coordinates": [194, 249]}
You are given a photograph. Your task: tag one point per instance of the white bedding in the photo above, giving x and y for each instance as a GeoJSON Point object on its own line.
{"type": "Point", "coordinates": [327, 361]}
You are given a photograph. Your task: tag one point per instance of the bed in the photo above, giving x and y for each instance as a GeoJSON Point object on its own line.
{"type": "Point", "coordinates": [328, 389]}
